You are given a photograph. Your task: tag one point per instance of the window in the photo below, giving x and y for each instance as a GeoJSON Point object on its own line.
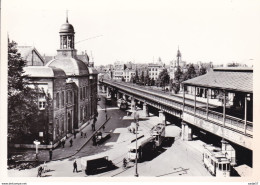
{"type": "Point", "coordinates": [42, 105]}
{"type": "Point", "coordinates": [228, 167]}
{"type": "Point", "coordinates": [84, 92]}
{"type": "Point", "coordinates": [67, 97]}
{"type": "Point", "coordinates": [220, 166]}
{"type": "Point", "coordinates": [71, 101]}
{"type": "Point", "coordinates": [57, 100]}
{"type": "Point", "coordinates": [62, 99]}
{"type": "Point", "coordinates": [224, 167]}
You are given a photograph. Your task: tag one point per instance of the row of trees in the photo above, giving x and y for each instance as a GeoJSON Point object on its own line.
{"type": "Point", "coordinates": [164, 80]}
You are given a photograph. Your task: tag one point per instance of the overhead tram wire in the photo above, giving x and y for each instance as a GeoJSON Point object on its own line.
{"type": "Point", "coordinates": [88, 39]}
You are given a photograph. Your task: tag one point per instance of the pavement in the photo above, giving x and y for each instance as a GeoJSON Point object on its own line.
{"type": "Point", "coordinates": [66, 152]}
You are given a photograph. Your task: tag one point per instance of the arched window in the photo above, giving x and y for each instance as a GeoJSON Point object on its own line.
{"type": "Point", "coordinates": [57, 100]}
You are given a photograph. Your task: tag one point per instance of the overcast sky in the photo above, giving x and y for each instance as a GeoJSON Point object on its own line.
{"type": "Point", "coordinates": [220, 31]}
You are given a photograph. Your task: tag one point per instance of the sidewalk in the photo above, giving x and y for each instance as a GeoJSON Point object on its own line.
{"type": "Point", "coordinates": [66, 152]}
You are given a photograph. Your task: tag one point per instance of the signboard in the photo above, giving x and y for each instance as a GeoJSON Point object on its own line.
{"type": "Point", "coordinates": [41, 134]}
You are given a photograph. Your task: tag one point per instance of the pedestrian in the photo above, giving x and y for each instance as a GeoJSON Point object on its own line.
{"type": "Point", "coordinates": [40, 169]}
{"type": "Point", "coordinates": [94, 140]}
{"type": "Point", "coordinates": [74, 134]}
{"type": "Point", "coordinates": [63, 143]}
{"type": "Point", "coordinates": [44, 167]}
{"type": "Point", "coordinates": [93, 127]}
{"type": "Point", "coordinates": [75, 166]}
{"type": "Point", "coordinates": [50, 154]}
{"type": "Point", "coordinates": [81, 134]}
{"type": "Point", "coordinates": [85, 135]}
{"type": "Point", "coordinates": [103, 127]}
{"type": "Point", "coordinates": [71, 142]}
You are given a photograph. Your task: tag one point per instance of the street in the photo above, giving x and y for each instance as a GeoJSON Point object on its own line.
{"type": "Point", "coordinates": [181, 158]}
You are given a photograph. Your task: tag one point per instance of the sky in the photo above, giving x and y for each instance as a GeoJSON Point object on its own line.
{"type": "Point", "coordinates": [221, 31]}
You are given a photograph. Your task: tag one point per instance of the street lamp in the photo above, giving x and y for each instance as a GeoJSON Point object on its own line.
{"type": "Point", "coordinates": [36, 142]}
{"type": "Point", "coordinates": [136, 117]}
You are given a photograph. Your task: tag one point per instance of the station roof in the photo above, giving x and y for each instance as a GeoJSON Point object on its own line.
{"type": "Point", "coordinates": [231, 79]}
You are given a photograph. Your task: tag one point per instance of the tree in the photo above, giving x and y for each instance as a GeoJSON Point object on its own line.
{"type": "Point", "coordinates": [23, 111]}
{"type": "Point", "coordinates": [142, 77]}
{"type": "Point", "coordinates": [163, 78]}
{"type": "Point", "coordinates": [147, 79]}
{"type": "Point", "coordinates": [202, 71]}
{"type": "Point", "coordinates": [178, 75]}
{"type": "Point", "coordinates": [136, 76]}
{"type": "Point", "coordinates": [191, 73]}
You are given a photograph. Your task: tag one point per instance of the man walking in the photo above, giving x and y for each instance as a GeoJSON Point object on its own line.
{"type": "Point", "coordinates": [50, 154]}
{"type": "Point", "coordinates": [71, 142]}
{"type": "Point", "coordinates": [75, 166]}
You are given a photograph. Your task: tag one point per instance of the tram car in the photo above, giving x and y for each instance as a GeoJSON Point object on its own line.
{"type": "Point", "coordinates": [216, 161]}
{"type": "Point", "coordinates": [158, 132]}
{"type": "Point", "coordinates": [122, 104]}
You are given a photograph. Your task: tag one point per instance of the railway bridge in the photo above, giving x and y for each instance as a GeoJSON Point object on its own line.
{"type": "Point", "coordinates": [219, 102]}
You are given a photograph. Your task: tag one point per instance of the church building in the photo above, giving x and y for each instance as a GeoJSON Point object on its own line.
{"type": "Point", "coordinates": [72, 87]}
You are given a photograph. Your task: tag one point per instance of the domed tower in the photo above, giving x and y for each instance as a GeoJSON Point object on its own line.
{"type": "Point", "coordinates": [67, 40]}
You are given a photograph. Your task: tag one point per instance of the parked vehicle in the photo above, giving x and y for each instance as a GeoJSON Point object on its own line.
{"type": "Point", "coordinates": [96, 163]}
{"type": "Point", "coordinates": [102, 136]}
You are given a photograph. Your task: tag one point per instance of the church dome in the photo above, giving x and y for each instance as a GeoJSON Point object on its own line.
{"type": "Point", "coordinates": [66, 28]}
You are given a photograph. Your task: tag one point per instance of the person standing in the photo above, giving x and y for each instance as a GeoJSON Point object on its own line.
{"type": "Point", "coordinates": [75, 166]}
{"type": "Point", "coordinates": [81, 134]}
{"type": "Point", "coordinates": [71, 142]}
{"type": "Point", "coordinates": [50, 154]}
{"type": "Point", "coordinates": [85, 135]}
{"type": "Point", "coordinates": [40, 169]}
{"type": "Point", "coordinates": [74, 134]}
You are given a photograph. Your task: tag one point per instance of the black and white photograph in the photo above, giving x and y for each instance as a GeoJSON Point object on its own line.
{"type": "Point", "coordinates": [133, 89]}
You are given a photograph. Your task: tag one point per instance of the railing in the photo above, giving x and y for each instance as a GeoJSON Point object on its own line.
{"type": "Point", "coordinates": [164, 100]}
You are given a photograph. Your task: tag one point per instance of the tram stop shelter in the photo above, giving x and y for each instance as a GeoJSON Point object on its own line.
{"type": "Point", "coordinates": [227, 96]}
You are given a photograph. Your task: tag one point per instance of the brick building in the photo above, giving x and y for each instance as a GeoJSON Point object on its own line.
{"type": "Point", "coordinates": [72, 86]}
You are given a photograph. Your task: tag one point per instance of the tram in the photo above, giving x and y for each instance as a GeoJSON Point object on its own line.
{"type": "Point", "coordinates": [158, 132]}
{"type": "Point", "coordinates": [216, 161]}
{"type": "Point", "coordinates": [122, 104]}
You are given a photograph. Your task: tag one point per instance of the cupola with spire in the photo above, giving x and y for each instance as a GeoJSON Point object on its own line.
{"type": "Point", "coordinates": [67, 40]}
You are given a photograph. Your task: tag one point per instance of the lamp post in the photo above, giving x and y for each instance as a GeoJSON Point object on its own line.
{"type": "Point", "coordinates": [136, 117]}
{"type": "Point", "coordinates": [36, 147]}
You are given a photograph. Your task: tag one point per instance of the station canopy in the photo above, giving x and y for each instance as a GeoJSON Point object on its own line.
{"type": "Point", "coordinates": [231, 79]}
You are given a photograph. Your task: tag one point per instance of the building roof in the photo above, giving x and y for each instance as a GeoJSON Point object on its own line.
{"type": "Point", "coordinates": [43, 72]}
{"type": "Point", "coordinates": [241, 81]}
{"type": "Point", "coordinates": [71, 66]}
{"type": "Point", "coordinates": [66, 28]}
{"type": "Point", "coordinates": [26, 52]}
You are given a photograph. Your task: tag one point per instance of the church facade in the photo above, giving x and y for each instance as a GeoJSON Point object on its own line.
{"type": "Point", "coordinates": [72, 88]}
